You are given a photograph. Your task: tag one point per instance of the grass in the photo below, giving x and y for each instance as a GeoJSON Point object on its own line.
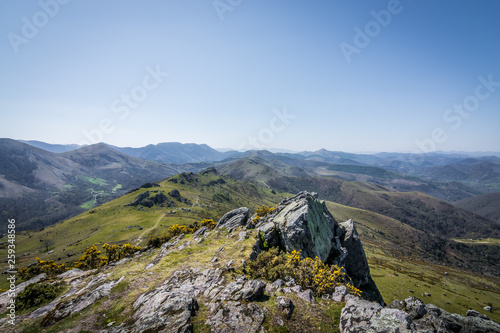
{"type": "Point", "coordinates": [116, 188]}
{"type": "Point", "coordinates": [108, 223]}
{"type": "Point", "coordinates": [88, 204]}
{"type": "Point", "coordinates": [95, 181]}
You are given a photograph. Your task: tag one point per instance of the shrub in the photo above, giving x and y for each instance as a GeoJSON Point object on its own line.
{"type": "Point", "coordinates": [42, 266]}
{"type": "Point", "coordinates": [309, 273]}
{"type": "Point", "coordinates": [209, 223]}
{"type": "Point", "coordinates": [91, 259]}
{"type": "Point", "coordinates": [37, 294]}
{"type": "Point", "coordinates": [262, 212]}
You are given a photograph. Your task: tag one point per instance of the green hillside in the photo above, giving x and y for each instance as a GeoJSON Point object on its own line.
{"type": "Point", "coordinates": [204, 195]}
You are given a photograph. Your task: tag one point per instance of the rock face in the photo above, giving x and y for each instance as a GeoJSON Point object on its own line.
{"type": "Point", "coordinates": [234, 218]}
{"type": "Point", "coordinates": [410, 315]}
{"type": "Point", "coordinates": [303, 223]}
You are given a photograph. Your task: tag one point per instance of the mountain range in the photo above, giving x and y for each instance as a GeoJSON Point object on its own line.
{"type": "Point", "coordinates": [55, 185]}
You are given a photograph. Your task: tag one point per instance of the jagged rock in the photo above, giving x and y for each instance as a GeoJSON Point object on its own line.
{"type": "Point", "coordinates": [242, 236]}
{"type": "Point", "coordinates": [5, 298]}
{"type": "Point", "coordinates": [200, 232]}
{"type": "Point", "coordinates": [234, 218]}
{"type": "Point", "coordinates": [81, 302]}
{"type": "Point", "coordinates": [339, 294]}
{"type": "Point", "coordinates": [303, 223]}
{"type": "Point", "coordinates": [307, 295]}
{"type": "Point", "coordinates": [285, 306]}
{"type": "Point", "coordinates": [474, 313]}
{"type": "Point", "coordinates": [234, 316]}
{"type": "Point", "coordinates": [169, 312]}
{"type": "Point", "coordinates": [363, 316]}
{"type": "Point", "coordinates": [71, 274]}
{"type": "Point", "coordinates": [413, 306]}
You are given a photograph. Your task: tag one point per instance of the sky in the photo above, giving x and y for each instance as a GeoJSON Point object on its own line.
{"type": "Point", "coordinates": [356, 76]}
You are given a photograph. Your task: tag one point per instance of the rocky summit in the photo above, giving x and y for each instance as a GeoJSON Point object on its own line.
{"type": "Point", "coordinates": [203, 282]}
{"type": "Point", "coordinates": [303, 223]}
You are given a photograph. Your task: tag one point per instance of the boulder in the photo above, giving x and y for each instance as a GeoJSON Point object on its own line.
{"type": "Point", "coordinates": [234, 316]}
{"type": "Point", "coordinates": [234, 218]}
{"type": "Point", "coordinates": [363, 316]}
{"type": "Point", "coordinates": [303, 223]}
{"type": "Point", "coordinates": [285, 306]}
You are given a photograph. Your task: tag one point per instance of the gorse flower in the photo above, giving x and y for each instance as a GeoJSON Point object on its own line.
{"type": "Point", "coordinates": [309, 273]}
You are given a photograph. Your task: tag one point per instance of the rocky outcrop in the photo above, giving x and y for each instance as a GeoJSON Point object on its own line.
{"type": "Point", "coordinates": [410, 315]}
{"type": "Point", "coordinates": [5, 297]}
{"type": "Point", "coordinates": [96, 289]}
{"type": "Point", "coordinates": [234, 218]}
{"type": "Point", "coordinates": [303, 223]}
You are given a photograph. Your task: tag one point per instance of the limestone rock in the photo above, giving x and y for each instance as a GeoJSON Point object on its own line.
{"type": "Point", "coordinates": [4, 297]}
{"type": "Point", "coordinates": [303, 223]}
{"type": "Point", "coordinates": [234, 316]}
{"type": "Point", "coordinates": [234, 218]}
{"type": "Point", "coordinates": [363, 316]}
{"type": "Point", "coordinates": [285, 306]}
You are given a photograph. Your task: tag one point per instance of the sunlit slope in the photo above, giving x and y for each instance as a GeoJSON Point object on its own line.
{"type": "Point", "coordinates": [204, 195]}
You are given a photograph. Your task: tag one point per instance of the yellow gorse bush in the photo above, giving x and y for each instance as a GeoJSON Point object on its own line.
{"type": "Point", "coordinates": [42, 266]}
{"type": "Point", "coordinates": [262, 211]}
{"type": "Point", "coordinates": [309, 273]}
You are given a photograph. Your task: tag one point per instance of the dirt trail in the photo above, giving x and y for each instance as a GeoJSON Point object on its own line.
{"type": "Point", "coordinates": [139, 239]}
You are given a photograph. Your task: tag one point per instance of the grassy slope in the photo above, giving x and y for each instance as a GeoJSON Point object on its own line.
{"type": "Point", "coordinates": [390, 248]}
{"type": "Point", "coordinates": [108, 223]}
{"type": "Point", "coordinates": [389, 244]}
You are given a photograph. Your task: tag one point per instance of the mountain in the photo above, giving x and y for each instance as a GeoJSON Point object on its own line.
{"type": "Point", "coordinates": [53, 148]}
{"type": "Point", "coordinates": [483, 173]}
{"type": "Point", "coordinates": [486, 205]}
{"type": "Point", "coordinates": [176, 153]}
{"type": "Point", "coordinates": [39, 188]}
{"type": "Point", "coordinates": [205, 280]}
{"type": "Point", "coordinates": [440, 220]}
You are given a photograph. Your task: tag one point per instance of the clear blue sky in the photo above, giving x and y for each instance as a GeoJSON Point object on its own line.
{"type": "Point", "coordinates": [85, 67]}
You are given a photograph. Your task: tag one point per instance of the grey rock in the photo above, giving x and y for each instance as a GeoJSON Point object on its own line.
{"type": "Point", "coordinates": [200, 232]}
{"type": "Point", "coordinates": [413, 306]}
{"type": "Point", "coordinates": [252, 290]}
{"type": "Point", "coordinates": [5, 298]}
{"type": "Point", "coordinates": [487, 308]}
{"type": "Point", "coordinates": [235, 218]}
{"type": "Point", "coordinates": [474, 313]}
{"type": "Point", "coordinates": [234, 316]}
{"type": "Point", "coordinates": [72, 273]}
{"type": "Point", "coordinates": [303, 223]}
{"type": "Point", "coordinates": [363, 316]}
{"type": "Point", "coordinates": [307, 295]}
{"type": "Point", "coordinates": [285, 306]}
{"type": "Point", "coordinates": [81, 302]}
{"type": "Point", "coordinates": [242, 235]}
{"type": "Point", "coordinates": [169, 312]}
{"type": "Point", "coordinates": [339, 294]}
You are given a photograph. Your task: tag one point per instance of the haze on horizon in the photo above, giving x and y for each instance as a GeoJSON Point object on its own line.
{"type": "Point", "coordinates": [400, 76]}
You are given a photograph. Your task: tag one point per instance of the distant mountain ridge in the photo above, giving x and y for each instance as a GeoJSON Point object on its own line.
{"type": "Point", "coordinates": [40, 188]}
